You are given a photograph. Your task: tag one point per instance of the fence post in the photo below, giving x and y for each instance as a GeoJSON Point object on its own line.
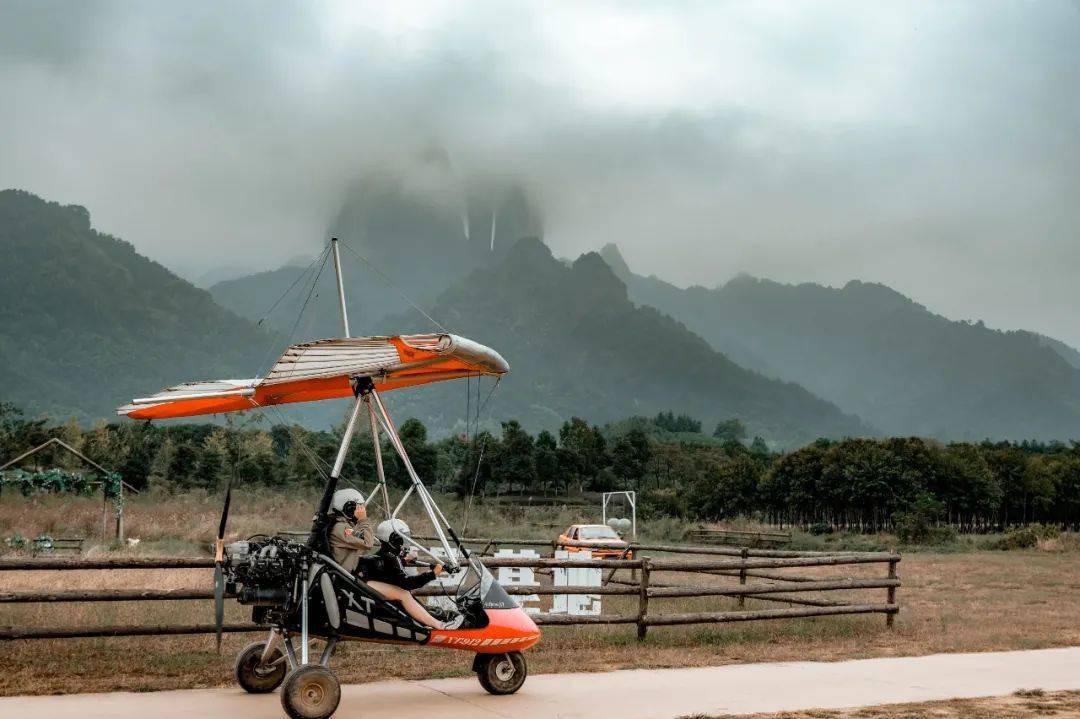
{"type": "Point", "coordinates": [891, 595]}
{"type": "Point", "coordinates": [742, 575]}
{"type": "Point", "coordinates": [643, 599]}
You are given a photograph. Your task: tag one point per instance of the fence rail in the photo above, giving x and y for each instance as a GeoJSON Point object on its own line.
{"type": "Point", "coordinates": [779, 587]}
{"type": "Point", "coordinates": [739, 537]}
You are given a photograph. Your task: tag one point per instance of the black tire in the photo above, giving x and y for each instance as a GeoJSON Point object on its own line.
{"type": "Point", "coordinates": [501, 673]}
{"type": "Point", "coordinates": [310, 692]}
{"type": "Point", "coordinates": [255, 677]}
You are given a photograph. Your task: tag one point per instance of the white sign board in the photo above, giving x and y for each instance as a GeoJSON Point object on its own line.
{"type": "Point", "coordinates": [520, 577]}
{"type": "Point", "coordinates": [576, 604]}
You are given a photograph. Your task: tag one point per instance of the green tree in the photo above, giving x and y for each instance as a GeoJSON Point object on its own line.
{"type": "Point", "coordinates": [477, 472]}
{"type": "Point", "coordinates": [584, 449]}
{"type": "Point", "coordinates": [514, 461]}
{"type": "Point", "coordinates": [730, 430]}
{"type": "Point", "coordinates": [548, 469]}
{"type": "Point", "coordinates": [211, 466]}
{"type": "Point", "coordinates": [630, 455]}
{"type": "Point", "coordinates": [424, 457]}
{"type": "Point", "coordinates": [728, 489]}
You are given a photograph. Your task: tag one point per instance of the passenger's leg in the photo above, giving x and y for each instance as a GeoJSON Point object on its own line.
{"type": "Point", "coordinates": [414, 608]}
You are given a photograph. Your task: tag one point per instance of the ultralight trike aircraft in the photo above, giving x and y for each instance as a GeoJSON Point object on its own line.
{"type": "Point", "coordinates": [296, 589]}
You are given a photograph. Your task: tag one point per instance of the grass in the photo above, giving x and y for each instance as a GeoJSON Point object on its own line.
{"type": "Point", "coordinates": [1025, 704]}
{"type": "Point", "coordinates": [950, 602]}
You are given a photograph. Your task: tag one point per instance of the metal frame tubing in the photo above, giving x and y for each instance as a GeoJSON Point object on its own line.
{"type": "Point", "coordinates": [421, 491]}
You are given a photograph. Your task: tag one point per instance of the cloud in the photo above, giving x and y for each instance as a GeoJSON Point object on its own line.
{"type": "Point", "coordinates": [931, 146]}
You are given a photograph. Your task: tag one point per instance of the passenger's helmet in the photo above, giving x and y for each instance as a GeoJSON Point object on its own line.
{"type": "Point", "coordinates": [392, 534]}
{"type": "Point", "coordinates": [342, 500]}
{"type": "Point", "coordinates": [389, 527]}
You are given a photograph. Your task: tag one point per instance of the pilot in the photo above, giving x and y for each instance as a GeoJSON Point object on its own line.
{"type": "Point", "coordinates": [351, 536]}
{"type": "Point", "coordinates": [385, 573]}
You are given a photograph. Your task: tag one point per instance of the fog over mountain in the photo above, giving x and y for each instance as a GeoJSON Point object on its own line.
{"type": "Point", "coordinates": [928, 146]}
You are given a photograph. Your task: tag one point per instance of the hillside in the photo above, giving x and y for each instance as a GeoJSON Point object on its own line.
{"type": "Point", "coordinates": [578, 346]}
{"type": "Point", "coordinates": [882, 356]}
{"type": "Point", "coordinates": [86, 323]}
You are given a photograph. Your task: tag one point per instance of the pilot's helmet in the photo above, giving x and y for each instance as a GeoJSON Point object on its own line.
{"type": "Point", "coordinates": [345, 502]}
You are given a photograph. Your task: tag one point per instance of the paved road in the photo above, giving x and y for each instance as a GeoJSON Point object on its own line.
{"type": "Point", "coordinates": [635, 694]}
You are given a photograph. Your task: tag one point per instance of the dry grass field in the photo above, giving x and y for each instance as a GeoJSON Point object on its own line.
{"type": "Point", "coordinates": [971, 601]}
{"type": "Point", "coordinates": [1022, 705]}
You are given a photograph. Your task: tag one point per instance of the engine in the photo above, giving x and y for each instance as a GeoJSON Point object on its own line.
{"type": "Point", "coordinates": [263, 573]}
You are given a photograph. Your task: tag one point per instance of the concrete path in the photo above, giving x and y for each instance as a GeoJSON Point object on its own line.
{"type": "Point", "coordinates": [633, 694]}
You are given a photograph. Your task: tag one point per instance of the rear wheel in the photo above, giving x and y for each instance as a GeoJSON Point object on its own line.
{"type": "Point", "coordinates": [310, 692]}
{"type": "Point", "coordinates": [256, 677]}
{"type": "Point", "coordinates": [501, 673]}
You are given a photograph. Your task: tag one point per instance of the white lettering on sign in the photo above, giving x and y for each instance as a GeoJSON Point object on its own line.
{"type": "Point", "coordinates": [520, 577]}
{"type": "Point", "coordinates": [576, 604]}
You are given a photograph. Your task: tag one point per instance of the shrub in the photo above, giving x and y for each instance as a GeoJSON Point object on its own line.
{"type": "Point", "coordinates": [1020, 538]}
{"type": "Point", "coordinates": [920, 524]}
{"type": "Point", "coordinates": [819, 528]}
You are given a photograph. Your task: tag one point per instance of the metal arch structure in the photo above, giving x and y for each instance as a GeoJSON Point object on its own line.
{"type": "Point", "coordinates": [631, 497]}
{"type": "Point", "coordinates": [56, 441]}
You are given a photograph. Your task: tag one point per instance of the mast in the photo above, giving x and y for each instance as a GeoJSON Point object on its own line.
{"type": "Point", "coordinates": [340, 285]}
{"type": "Point", "coordinates": [361, 389]}
{"type": "Point", "coordinates": [364, 390]}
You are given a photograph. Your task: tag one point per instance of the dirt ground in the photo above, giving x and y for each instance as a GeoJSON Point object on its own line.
{"type": "Point", "coordinates": [1022, 705]}
{"type": "Point", "coordinates": [950, 602]}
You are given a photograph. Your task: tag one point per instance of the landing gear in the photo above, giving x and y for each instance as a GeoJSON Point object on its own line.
{"type": "Point", "coordinates": [259, 676]}
{"type": "Point", "coordinates": [500, 673]}
{"type": "Point", "coordinates": [310, 692]}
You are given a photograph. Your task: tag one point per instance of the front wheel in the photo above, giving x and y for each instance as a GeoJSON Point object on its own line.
{"type": "Point", "coordinates": [256, 677]}
{"type": "Point", "coordinates": [501, 673]}
{"type": "Point", "coordinates": [310, 692]}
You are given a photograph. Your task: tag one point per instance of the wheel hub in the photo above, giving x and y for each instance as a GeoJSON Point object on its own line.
{"type": "Point", "coordinates": [263, 670]}
{"type": "Point", "coordinates": [313, 694]}
{"type": "Point", "coordinates": [504, 670]}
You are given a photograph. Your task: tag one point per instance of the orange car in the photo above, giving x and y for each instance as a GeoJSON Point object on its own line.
{"type": "Point", "coordinates": [603, 541]}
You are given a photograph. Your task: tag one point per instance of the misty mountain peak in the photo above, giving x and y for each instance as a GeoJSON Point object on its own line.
{"type": "Point", "coordinates": [591, 271]}
{"type": "Point", "coordinates": [613, 257]}
{"type": "Point", "coordinates": [529, 252]}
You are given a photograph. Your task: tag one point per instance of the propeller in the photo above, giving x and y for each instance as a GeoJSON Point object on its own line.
{"type": "Point", "coordinates": [219, 573]}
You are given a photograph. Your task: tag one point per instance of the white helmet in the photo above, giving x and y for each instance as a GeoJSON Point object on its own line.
{"type": "Point", "coordinates": [389, 526]}
{"type": "Point", "coordinates": [343, 496]}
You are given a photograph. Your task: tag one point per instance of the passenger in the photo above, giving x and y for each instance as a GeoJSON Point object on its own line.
{"type": "Point", "coordinates": [385, 573]}
{"type": "Point", "coordinates": [351, 536]}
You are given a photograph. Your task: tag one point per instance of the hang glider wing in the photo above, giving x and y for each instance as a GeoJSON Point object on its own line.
{"type": "Point", "coordinates": [324, 370]}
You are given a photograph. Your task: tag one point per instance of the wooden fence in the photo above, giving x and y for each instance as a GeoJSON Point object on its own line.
{"type": "Point", "coordinates": [739, 537]}
{"type": "Point", "coordinates": [781, 585]}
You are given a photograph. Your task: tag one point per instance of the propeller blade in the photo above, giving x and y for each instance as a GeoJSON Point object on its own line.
{"type": "Point", "coordinates": [219, 573]}
{"type": "Point", "coordinates": [219, 602]}
{"type": "Point", "coordinates": [224, 513]}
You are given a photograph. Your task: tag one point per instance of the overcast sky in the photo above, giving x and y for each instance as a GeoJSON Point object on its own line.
{"type": "Point", "coordinates": [934, 146]}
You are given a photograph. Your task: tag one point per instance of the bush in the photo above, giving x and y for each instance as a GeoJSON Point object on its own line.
{"type": "Point", "coordinates": [819, 528]}
{"type": "Point", "coordinates": [920, 524]}
{"type": "Point", "coordinates": [1021, 538]}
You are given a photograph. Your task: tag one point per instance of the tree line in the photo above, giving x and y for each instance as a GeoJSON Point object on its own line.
{"type": "Point", "coordinates": [678, 470]}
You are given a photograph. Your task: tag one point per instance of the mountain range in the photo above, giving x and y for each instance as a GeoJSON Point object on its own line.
{"type": "Point", "coordinates": [880, 355]}
{"type": "Point", "coordinates": [578, 346]}
{"type": "Point", "coordinates": [86, 323]}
